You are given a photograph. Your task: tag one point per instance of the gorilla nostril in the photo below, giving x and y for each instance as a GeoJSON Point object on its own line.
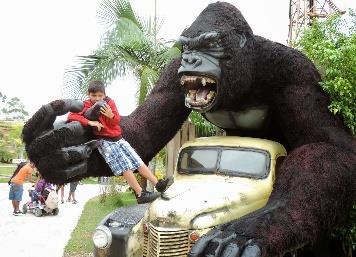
{"type": "Point", "coordinates": [197, 62]}
{"type": "Point", "coordinates": [252, 251]}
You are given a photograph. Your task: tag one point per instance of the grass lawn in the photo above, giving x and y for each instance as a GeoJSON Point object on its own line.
{"type": "Point", "coordinates": [90, 180]}
{"type": "Point", "coordinates": [6, 171]}
{"type": "Point", "coordinates": [94, 211]}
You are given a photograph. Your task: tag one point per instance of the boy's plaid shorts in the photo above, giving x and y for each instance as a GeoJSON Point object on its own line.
{"type": "Point", "coordinates": [119, 155]}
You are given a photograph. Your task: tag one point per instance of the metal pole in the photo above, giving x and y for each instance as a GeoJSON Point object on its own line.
{"type": "Point", "coordinates": [155, 24]}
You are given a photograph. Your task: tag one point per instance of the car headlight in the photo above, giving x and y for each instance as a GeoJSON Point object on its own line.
{"type": "Point", "coordinates": [102, 237]}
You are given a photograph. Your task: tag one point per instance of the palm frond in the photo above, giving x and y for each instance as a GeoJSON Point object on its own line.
{"type": "Point", "coordinates": [111, 11]}
{"type": "Point", "coordinates": [202, 126]}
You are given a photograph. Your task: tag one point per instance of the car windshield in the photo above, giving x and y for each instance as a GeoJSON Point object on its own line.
{"type": "Point", "coordinates": [237, 161]}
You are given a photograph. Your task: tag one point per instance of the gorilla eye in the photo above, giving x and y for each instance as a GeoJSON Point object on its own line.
{"type": "Point", "coordinates": [185, 47]}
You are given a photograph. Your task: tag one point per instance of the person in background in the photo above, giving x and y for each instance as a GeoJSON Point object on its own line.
{"type": "Point", "coordinates": [16, 186]}
{"type": "Point", "coordinates": [61, 187]}
{"type": "Point", "coordinates": [72, 188]}
{"type": "Point", "coordinates": [40, 187]}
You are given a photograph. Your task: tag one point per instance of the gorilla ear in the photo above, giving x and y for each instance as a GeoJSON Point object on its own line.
{"type": "Point", "coordinates": [242, 40]}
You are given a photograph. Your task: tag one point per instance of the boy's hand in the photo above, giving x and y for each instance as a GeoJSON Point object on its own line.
{"type": "Point", "coordinates": [96, 124]}
{"type": "Point", "coordinates": [106, 111]}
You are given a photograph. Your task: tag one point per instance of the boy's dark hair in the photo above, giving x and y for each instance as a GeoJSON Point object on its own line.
{"type": "Point", "coordinates": [18, 168]}
{"type": "Point", "coordinates": [96, 86]}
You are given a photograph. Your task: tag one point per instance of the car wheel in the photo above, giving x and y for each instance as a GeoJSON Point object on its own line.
{"type": "Point", "coordinates": [37, 212]}
{"type": "Point", "coordinates": [24, 208]}
{"type": "Point", "coordinates": [55, 211]}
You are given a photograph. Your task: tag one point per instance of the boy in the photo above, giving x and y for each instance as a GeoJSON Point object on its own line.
{"type": "Point", "coordinates": [16, 183]}
{"type": "Point", "coordinates": [117, 152]}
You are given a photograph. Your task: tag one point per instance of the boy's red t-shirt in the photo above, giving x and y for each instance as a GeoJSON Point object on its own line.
{"type": "Point", "coordinates": [111, 127]}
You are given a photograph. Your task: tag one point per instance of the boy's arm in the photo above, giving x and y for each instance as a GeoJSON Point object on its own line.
{"type": "Point", "coordinates": [29, 172]}
{"type": "Point", "coordinates": [78, 117]}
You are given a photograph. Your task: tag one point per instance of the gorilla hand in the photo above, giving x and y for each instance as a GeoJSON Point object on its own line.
{"type": "Point", "coordinates": [225, 243]}
{"type": "Point", "coordinates": [61, 152]}
{"type": "Point", "coordinates": [93, 112]}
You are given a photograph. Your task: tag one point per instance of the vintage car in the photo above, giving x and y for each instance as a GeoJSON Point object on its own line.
{"type": "Point", "coordinates": [216, 180]}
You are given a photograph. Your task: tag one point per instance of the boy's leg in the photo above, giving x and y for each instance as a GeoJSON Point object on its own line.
{"type": "Point", "coordinates": [131, 180]}
{"type": "Point", "coordinates": [160, 185]}
{"type": "Point", "coordinates": [147, 173]}
{"type": "Point", "coordinates": [16, 205]}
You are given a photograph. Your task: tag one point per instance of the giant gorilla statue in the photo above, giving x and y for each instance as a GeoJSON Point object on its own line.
{"type": "Point", "coordinates": [248, 86]}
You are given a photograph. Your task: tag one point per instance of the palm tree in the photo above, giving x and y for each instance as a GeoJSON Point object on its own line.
{"type": "Point", "coordinates": [130, 46]}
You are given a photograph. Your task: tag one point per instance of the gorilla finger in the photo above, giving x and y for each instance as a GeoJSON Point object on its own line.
{"type": "Point", "coordinates": [67, 156]}
{"type": "Point", "coordinates": [217, 245]}
{"type": "Point", "coordinates": [56, 138]}
{"type": "Point", "coordinates": [62, 176]}
{"type": "Point", "coordinates": [231, 250]}
{"type": "Point", "coordinates": [44, 118]}
{"type": "Point", "coordinates": [60, 107]}
{"type": "Point", "coordinates": [198, 249]}
{"type": "Point", "coordinates": [252, 251]}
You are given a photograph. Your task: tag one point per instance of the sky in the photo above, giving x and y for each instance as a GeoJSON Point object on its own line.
{"type": "Point", "coordinates": [41, 38]}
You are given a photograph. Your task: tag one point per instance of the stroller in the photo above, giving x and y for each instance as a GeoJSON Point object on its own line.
{"type": "Point", "coordinates": [42, 203]}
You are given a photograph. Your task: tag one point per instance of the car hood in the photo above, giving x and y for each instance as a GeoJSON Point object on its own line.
{"type": "Point", "coordinates": [202, 201]}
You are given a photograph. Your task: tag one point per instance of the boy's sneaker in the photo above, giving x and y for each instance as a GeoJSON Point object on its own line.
{"type": "Point", "coordinates": [163, 184]}
{"type": "Point", "coordinates": [147, 197]}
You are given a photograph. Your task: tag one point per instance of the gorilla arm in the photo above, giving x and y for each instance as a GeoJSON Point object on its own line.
{"type": "Point", "coordinates": [150, 127]}
{"type": "Point", "coordinates": [59, 153]}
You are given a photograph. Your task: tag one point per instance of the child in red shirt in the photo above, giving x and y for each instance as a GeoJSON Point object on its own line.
{"type": "Point", "coordinates": [117, 152]}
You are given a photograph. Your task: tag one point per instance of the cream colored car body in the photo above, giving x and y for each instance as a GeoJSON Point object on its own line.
{"type": "Point", "coordinates": [199, 202]}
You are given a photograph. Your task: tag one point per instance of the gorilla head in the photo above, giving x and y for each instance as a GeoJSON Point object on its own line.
{"type": "Point", "coordinates": [217, 57]}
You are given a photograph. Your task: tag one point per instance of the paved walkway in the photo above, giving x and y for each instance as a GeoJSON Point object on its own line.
{"type": "Point", "coordinates": [30, 236]}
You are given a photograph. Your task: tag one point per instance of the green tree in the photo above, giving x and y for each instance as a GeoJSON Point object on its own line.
{"type": "Point", "coordinates": [331, 44]}
{"type": "Point", "coordinates": [12, 109]}
{"type": "Point", "coordinates": [11, 145]}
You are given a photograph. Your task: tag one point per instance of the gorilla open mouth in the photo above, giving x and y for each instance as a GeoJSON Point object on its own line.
{"type": "Point", "coordinates": [200, 91]}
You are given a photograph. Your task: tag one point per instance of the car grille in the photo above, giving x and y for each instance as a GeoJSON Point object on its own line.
{"type": "Point", "coordinates": [159, 242]}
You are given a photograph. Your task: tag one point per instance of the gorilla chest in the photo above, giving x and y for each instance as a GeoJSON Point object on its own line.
{"type": "Point", "coordinates": [251, 118]}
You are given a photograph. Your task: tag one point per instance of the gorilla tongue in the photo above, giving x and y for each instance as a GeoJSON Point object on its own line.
{"type": "Point", "coordinates": [202, 93]}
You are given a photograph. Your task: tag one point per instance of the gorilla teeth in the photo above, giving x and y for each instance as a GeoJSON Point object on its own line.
{"type": "Point", "coordinates": [192, 98]}
{"type": "Point", "coordinates": [209, 80]}
{"type": "Point", "coordinates": [200, 89]}
{"type": "Point", "coordinates": [195, 79]}
{"type": "Point", "coordinates": [210, 95]}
